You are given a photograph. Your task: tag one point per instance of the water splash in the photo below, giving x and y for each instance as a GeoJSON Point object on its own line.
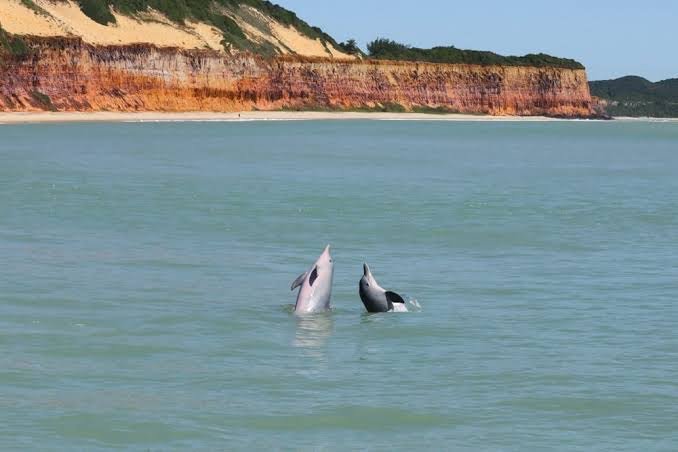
{"type": "Point", "coordinates": [414, 306]}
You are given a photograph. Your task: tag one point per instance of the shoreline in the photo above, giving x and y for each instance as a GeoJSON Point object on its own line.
{"type": "Point", "coordinates": [64, 117]}
{"type": "Point", "coordinates": [644, 119]}
{"type": "Point", "coordinates": [8, 118]}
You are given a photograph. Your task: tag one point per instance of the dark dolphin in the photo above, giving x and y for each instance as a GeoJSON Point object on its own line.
{"type": "Point", "coordinates": [377, 299]}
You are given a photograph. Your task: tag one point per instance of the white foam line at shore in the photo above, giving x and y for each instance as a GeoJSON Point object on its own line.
{"type": "Point", "coordinates": [159, 117]}
{"type": "Point", "coordinates": [145, 121]}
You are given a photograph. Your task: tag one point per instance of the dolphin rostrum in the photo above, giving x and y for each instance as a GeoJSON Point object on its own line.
{"type": "Point", "coordinates": [377, 299]}
{"type": "Point", "coordinates": [316, 286]}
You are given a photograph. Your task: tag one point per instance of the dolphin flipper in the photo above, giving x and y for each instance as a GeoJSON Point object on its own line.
{"type": "Point", "coordinates": [393, 297]}
{"type": "Point", "coordinates": [395, 302]}
{"type": "Point", "coordinates": [299, 281]}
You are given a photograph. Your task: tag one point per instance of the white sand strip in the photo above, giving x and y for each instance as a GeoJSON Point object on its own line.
{"type": "Point", "coordinates": [42, 117]}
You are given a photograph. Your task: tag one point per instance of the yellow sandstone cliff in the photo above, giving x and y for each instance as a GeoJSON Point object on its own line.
{"type": "Point", "coordinates": [74, 74]}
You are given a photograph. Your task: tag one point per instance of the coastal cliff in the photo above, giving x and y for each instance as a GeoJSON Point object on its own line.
{"type": "Point", "coordinates": [67, 74]}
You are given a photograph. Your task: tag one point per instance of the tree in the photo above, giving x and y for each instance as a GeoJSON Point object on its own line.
{"type": "Point", "coordinates": [350, 47]}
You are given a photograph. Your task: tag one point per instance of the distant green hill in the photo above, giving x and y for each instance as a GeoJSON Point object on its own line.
{"type": "Point", "coordinates": [636, 96]}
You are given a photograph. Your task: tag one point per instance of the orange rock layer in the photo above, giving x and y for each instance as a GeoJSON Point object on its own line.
{"type": "Point", "coordinates": [68, 75]}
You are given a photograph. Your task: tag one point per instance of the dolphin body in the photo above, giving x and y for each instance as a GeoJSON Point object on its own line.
{"type": "Point", "coordinates": [315, 286]}
{"type": "Point", "coordinates": [377, 299]}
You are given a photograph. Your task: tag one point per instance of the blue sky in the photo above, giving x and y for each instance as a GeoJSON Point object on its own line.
{"type": "Point", "coordinates": [612, 38]}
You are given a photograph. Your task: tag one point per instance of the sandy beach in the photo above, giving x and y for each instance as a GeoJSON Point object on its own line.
{"type": "Point", "coordinates": [55, 117]}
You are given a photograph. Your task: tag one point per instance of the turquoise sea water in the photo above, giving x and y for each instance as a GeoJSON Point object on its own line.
{"type": "Point", "coordinates": [145, 273]}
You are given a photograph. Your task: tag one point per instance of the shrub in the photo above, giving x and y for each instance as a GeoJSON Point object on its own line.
{"type": "Point", "coordinates": [350, 47]}
{"type": "Point", "coordinates": [31, 4]}
{"type": "Point", "coordinates": [43, 100]}
{"type": "Point", "coordinates": [13, 45]}
{"type": "Point", "coordinates": [97, 10]}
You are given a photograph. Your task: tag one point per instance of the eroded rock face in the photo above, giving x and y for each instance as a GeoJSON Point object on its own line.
{"type": "Point", "coordinates": [65, 74]}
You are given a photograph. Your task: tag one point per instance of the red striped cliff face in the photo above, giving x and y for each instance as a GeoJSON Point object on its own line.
{"type": "Point", "coordinates": [67, 75]}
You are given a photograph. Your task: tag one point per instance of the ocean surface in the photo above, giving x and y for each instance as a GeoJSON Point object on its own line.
{"type": "Point", "coordinates": [145, 273]}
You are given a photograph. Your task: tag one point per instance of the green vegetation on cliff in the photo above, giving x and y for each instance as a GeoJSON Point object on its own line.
{"type": "Point", "coordinates": [97, 10]}
{"type": "Point", "coordinates": [209, 11]}
{"type": "Point", "coordinates": [285, 17]}
{"type": "Point", "coordinates": [233, 17]}
{"type": "Point", "coordinates": [386, 49]}
{"type": "Point", "coordinates": [636, 96]}
{"type": "Point", "coordinates": [31, 4]}
{"type": "Point", "coordinates": [12, 45]}
{"type": "Point", "coordinates": [351, 47]}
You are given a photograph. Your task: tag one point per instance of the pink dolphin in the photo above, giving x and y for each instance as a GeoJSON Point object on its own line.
{"type": "Point", "coordinates": [316, 286]}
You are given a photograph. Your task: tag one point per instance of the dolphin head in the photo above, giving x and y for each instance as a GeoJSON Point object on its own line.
{"type": "Point", "coordinates": [367, 283]}
{"type": "Point", "coordinates": [371, 293]}
{"type": "Point", "coordinates": [325, 261]}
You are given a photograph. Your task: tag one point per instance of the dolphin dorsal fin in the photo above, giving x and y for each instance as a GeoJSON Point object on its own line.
{"type": "Point", "coordinates": [299, 281]}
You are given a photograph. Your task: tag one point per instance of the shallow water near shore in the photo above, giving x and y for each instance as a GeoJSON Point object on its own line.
{"type": "Point", "coordinates": [146, 268]}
